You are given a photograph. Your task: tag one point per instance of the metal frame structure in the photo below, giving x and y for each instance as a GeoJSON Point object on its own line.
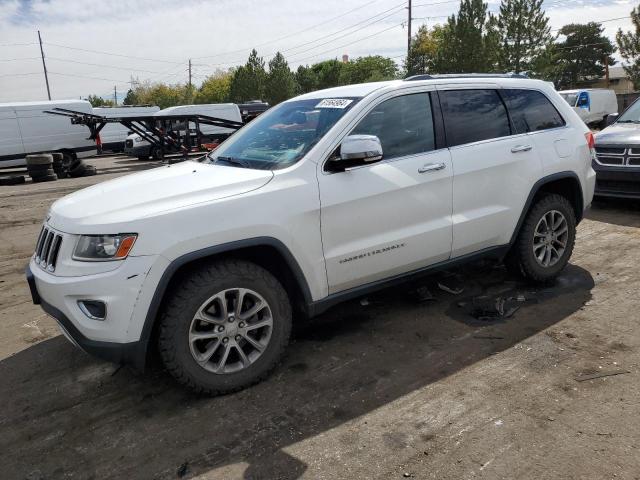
{"type": "Point", "coordinates": [158, 130]}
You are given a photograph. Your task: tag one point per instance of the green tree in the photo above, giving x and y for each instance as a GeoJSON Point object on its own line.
{"type": "Point", "coordinates": [97, 101]}
{"type": "Point", "coordinates": [306, 79]}
{"type": "Point", "coordinates": [130, 98]}
{"type": "Point", "coordinates": [629, 45]}
{"type": "Point", "coordinates": [467, 44]}
{"type": "Point", "coordinates": [372, 68]}
{"type": "Point", "coordinates": [215, 88]}
{"type": "Point", "coordinates": [327, 73]}
{"type": "Point", "coordinates": [280, 82]}
{"type": "Point", "coordinates": [582, 54]}
{"type": "Point", "coordinates": [523, 32]}
{"type": "Point", "coordinates": [248, 81]}
{"type": "Point", "coordinates": [423, 56]}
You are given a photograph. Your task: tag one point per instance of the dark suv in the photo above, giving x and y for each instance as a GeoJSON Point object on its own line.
{"type": "Point", "coordinates": [617, 162]}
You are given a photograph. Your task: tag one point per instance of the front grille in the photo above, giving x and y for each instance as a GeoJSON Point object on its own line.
{"type": "Point", "coordinates": [612, 150]}
{"type": "Point", "coordinates": [47, 249]}
{"type": "Point", "coordinates": [624, 156]}
{"type": "Point", "coordinates": [128, 143]}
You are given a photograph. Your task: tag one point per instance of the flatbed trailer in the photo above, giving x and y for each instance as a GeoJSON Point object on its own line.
{"type": "Point", "coordinates": [171, 133]}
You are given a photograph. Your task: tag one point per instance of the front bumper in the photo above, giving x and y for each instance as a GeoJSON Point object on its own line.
{"type": "Point", "coordinates": [108, 339]}
{"type": "Point", "coordinates": [621, 182]}
{"type": "Point", "coordinates": [138, 150]}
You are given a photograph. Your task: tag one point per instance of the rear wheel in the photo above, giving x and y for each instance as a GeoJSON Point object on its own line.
{"type": "Point", "coordinates": [225, 327]}
{"type": "Point", "coordinates": [545, 241]}
{"type": "Point", "coordinates": [157, 153]}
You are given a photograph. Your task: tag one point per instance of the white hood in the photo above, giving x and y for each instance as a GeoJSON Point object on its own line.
{"type": "Point", "coordinates": [154, 192]}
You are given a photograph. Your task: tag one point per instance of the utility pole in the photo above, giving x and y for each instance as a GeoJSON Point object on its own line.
{"type": "Point", "coordinates": [409, 29]}
{"type": "Point", "coordinates": [115, 96]}
{"type": "Point", "coordinates": [189, 74]}
{"type": "Point", "coordinates": [44, 66]}
{"type": "Point", "coordinates": [606, 69]}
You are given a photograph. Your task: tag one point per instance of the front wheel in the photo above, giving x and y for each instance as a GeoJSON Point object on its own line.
{"type": "Point", "coordinates": [545, 241]}
{"type": "Point", "coordinates": [225, 327]}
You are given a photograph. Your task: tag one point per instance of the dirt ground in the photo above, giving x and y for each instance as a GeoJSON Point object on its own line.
{"type": "Point", "coordinates": [392, 387]}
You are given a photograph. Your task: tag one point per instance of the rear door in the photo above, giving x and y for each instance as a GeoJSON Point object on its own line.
{"type": "Point", "coordinates": [494, 167]}
{"type": "Point", "coordinates": [11, 147]}
{"type": "Point", "coordinates": [534, 114]}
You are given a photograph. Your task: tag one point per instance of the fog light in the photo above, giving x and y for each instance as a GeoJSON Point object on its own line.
{"type": "Point", "coordinates": [94, 309]}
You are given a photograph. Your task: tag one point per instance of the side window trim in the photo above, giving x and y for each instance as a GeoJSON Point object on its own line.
{"type": "Point", "coordinates": [438, 120]}
{"type": "Point", "coordinates": [512, 126]}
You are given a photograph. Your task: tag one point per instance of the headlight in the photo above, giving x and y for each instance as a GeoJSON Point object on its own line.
{"type": "Point", "coordinates": [137, 139]}
{"type": "Point", "coordinates": [96, 248]}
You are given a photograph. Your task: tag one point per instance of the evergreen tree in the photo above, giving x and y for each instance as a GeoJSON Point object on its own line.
{"type": "Point", "coordinates": [280, 83]}
{"type": "Point", "coordinates": [629, 45]}
{"type": "Point", "coordinates": [327, 73]}
{"type": "Point", "coordinates": [523, 32]}
{"type": "Point", "coordinates": [466, 45]}
{"type": "Point", "coordinates": [582, 55]}
{"type": "Point", "coordinates": [131, 98]}
{"type": "Point", "coordinates": [372, 68]}
{"type": "Point", "coordinates": [306, 79]}
{"type": "Point", "coordinates": [248, 81]}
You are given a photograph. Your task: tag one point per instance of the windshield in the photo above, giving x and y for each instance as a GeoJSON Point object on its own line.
{"type": "Point", "coordinates": [283, 135]}
{"type": "Point", "coordinates": [631, 115]}
{"type": "Point", "coordinates": [570, 98]}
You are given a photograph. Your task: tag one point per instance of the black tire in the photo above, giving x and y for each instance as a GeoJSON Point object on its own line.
{"type": "Point", "coordinates": [186, 299]}
{"type": "Point", "coordinates": [521, 258]}
{"type": "Point", "coordinates": [44, 178]}
{"type": "Point", "coordinates": [12, 180]}
{"type": "Point", "coordinates": [42, 173]}
{"type": "Point", "coordinates": [89, 171]}
{"type": "Point", "coordinates": [39, 159]}
{"type": "Point", "coordinates": [77, 169]}
{"type": "Point", "coordinates": [143, 157]}
{"type": "Point", "coordinates": [157, 153]}
{"type": "Point", "coordinates": [38, 168]}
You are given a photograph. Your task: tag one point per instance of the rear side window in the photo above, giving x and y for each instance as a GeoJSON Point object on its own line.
{"type": "Point", "coordinates": [531, 111]}
{"type": "Point", "coordinates": [473, 115]}
{"type": "Point", "coordinates": [403, 124]}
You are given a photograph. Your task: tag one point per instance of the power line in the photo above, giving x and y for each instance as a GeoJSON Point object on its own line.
{"type": "Point", "coordinates": [120, 82]}
{"type": "Point", "coordinates": [17, 44]}
{"type": "Point", "coordinates": [19, 74]}
{"type": "Point", "coordinates": [102, 65]}
{"type": "Point", "coordinates": [298, 60]}
{"type": "Point", "coordinates": [18, 59]}
{"type": "Point", "coordinates": [110, 53]}
{"type": "Point", "coordinates": [293, 33]}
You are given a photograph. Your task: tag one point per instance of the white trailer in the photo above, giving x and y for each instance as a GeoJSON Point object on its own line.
{"type": "Point", "coordinates": [26, 129]}
{"type": "Point", "coordinates": [592, 104]}
{"type": "Point", "coordinates": [113, 135]}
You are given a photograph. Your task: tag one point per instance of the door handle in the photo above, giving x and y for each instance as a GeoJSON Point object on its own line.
{"type": "Point", "coordinates": [431, 167]}
{"type": "Point", "coordinates": [521, 148]}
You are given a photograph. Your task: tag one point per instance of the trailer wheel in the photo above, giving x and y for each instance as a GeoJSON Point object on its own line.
{"type": "Point", "coordinates": [157, 153]}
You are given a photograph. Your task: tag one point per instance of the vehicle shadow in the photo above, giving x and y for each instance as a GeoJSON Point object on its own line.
{"type": "Point", "coordinates": [615, 211]}
{"type": "Point", "coordinates": [65, 414]}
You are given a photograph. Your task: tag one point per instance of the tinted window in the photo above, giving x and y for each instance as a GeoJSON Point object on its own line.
{"type": "Point", "coordinates": [473, 115]}
{"type": "Point", "coordinates": [531, 111]}
{"type": "Point", "coordinates": [404, 125]}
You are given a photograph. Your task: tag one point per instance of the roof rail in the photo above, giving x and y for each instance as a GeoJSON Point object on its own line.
{"type": "Point", "coordinates": [466, 75]}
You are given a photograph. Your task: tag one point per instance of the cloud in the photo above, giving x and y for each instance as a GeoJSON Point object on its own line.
{"type": "Point", "coordinates": [164, 34]}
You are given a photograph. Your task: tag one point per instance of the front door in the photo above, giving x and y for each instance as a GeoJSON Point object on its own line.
{"type": "Point", "coordinates": [394, 216]}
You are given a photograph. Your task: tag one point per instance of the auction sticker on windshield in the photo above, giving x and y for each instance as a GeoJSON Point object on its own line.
{"type": "Point", "coordinates": [334, 103]}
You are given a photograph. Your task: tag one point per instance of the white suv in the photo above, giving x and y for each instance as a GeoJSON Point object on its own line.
{"type": "Point", "coordinates": [323, 198]}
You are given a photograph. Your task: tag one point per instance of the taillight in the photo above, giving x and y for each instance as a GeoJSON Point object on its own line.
{"type": "Point", "coordinates": [591, 140]}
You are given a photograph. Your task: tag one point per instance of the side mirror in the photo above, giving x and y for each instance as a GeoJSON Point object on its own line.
{"type": "Point", "coordinates": [356, 150]}
{"type": "Point", "coordinates": [612, 118]}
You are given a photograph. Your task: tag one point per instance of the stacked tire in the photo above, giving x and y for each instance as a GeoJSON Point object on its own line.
{"type": "Point", "coordinates": [80, 169]}
{"type": "Point", "coordinates": [40, 167]}
{"type": "Point", "coordinates": [60, 167]}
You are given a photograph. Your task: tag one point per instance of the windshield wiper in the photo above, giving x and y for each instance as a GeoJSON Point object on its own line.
{"type": "Point", "coordinates": [233, 161]}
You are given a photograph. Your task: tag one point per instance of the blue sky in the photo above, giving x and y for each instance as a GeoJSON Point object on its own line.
{"type": "Point", "coordinates": [163, 34]}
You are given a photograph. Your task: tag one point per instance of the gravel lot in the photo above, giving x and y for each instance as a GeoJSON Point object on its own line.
{"type": "Point", "coordinates": [394, 388]}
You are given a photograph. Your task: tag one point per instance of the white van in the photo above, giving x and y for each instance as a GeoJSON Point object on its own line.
{"type": "Point", "coordinates": [592, 104]}
{"type": "Point", "coordinates": [113, 135]}
{"type": "Point", "coordinates": [26, 129]}
{"type": "Point", "coordinates": [136, 146]}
